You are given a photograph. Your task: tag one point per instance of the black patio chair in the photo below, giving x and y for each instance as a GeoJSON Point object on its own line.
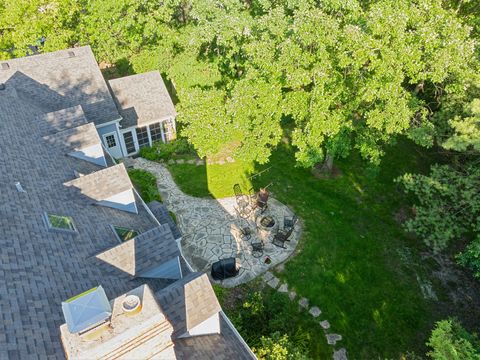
{"type": "Point", "coordinates": [289, 222]}
{"type": "Point", "coordinates": [246, 233]}
{"type": "Point", "coordinates": [257, 249]}
{"type": "Point", "coordinates": [281, 237]}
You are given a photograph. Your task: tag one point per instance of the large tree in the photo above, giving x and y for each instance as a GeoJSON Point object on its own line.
{"type": "Point", "coordinates": [48, 25]}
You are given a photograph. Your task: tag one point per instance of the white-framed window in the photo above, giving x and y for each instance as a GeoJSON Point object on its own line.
{"type": "Point", "coordinates": [129, 142]}
{"type": "Point", "coordinates": [111, 141]}
{"type": "Point", "coordinates": [142, 137]}
{"type": "Point", "coordinates": [124, 234]}
{"type": "Point", "coordinates": [156, 132]}
{"type": "Point", "coordinates": [60, 222]}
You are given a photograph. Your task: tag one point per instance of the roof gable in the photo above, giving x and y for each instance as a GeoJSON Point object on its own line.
{"type": "Point", "coordinates": [144, 252]}
{"type": "Point", "coordinates": [81, 142]}
{"type": "Point", "coordinates": [109, 187]}
{"type": "Point", "coordinates": [188, 303]}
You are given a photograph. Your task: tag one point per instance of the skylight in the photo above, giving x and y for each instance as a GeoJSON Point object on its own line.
{"type": "Point", "coordinates": [124, 234]}
{"type": "Point", "coordinates": [59, 222]}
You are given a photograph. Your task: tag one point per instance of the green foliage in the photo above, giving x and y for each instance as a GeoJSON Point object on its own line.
{"type": "Point", "coordinates": [470, 257]}
{"type": "Point", "coordinates": [146, 184]}
{"type": "Point", "coordinates": [164, 151]}
{"type": "Point", "coordinates": [450, 341]}
{"type": "Point", "coordinates": [25, 22]}
{"type": "Point", "coordinates": [349, 73]}
{"type": "Point", "coordinates": [448, 204]}
{"type": "Point", "coordinates": [272, 325]}
{"type": "Point", "coordinates": [466, 130]}
{"type": "Point", "coordinates": [173, 216]}
{"type": "Point", "coordinates": [277, 347]}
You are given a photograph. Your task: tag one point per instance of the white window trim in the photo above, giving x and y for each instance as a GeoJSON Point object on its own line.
{"type": "Point", "coordinates": [149, 136]}
{"type": "Point", "coordinates": [135, 141]}
{"type": "Point", "coordinates": [52, 228]}
{"type": "Point", "coordinates": [112, 227]}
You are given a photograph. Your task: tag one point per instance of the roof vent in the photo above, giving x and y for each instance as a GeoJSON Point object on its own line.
{"type": "Point", "coordinates": [131, 305]}
{"type": "Point", "coordinates": [2, 86]}
{"type": "Point", "coordinates": [17, 184]}
{"type": "Point", "coordinates": [71, 54]}
{"type": "Point", "coordinates": [4, 66]}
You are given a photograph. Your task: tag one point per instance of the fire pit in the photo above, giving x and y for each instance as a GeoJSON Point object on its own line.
{"type": "Point", "coordinates": [267, 222]}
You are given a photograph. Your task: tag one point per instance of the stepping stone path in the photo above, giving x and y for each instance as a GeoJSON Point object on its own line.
{"type": "Point", "coordinates": [273, 282]}
{"type": "Point", "coordinates": [199, 162]}
{"type": "Point", "coordinates": [340, 354]}
{"type": "Point", "coordinates": [333, 338]}
{"type": "Point", "coordinates": [314, 311]}
{"type": "Point", "coordinates": [303, 302]}
{"type": "Point", "coordinates": [325, 324]}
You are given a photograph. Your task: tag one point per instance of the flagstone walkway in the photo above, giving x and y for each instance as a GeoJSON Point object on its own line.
{"type": "Point", "coordinates": [211, 228]}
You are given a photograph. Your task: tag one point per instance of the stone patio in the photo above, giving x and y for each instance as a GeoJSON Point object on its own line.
{"type": "Point", "coordinates": [211, 228]}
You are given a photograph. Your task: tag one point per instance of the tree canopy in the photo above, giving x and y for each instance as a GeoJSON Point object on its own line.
{"type": "Point", "coordinates": [450, 341]}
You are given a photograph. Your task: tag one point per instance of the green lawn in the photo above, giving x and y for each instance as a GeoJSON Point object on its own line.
{"type": "Point", "coordinates": [355, 262]}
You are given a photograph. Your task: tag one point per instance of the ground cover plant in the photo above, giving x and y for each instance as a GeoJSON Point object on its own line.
{"type": "Point", "coordinates": [146, 184]}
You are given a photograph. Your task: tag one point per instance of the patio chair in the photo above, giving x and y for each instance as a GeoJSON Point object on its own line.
{"type": "Point", "coordinates": [261, 200]}
{"type": "Point", "coordinates": [242, 200]}
{"type": "Point", "coordinates": [245, 233]}
{"type": "Point", "coordinates": [244, 211]}
{"type": "Point", "coordinates": [289, 221]}
{"type": "Point", "coordinates": [257, 249]}
{"type": "Point", "coordinates": [281, 237]}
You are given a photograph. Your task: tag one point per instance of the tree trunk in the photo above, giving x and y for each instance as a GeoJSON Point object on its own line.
{"type": "Point", "coordinates": [327, 166]}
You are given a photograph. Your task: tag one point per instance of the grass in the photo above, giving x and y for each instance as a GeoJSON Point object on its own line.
{"type": "Point", "coordinates": [146, 184]}
{"type": "Point", "coordinates": [213, 180]}
{"type": "Point", "coordinates": [354, 262]}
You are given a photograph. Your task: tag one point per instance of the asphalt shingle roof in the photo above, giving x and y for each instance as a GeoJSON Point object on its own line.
{"type": "Point", "coordinates": [187, 303]}
{"type": "Point", "coordinates": [55, 81]}
{"type": "Point", "coordinates": [76, 138]}
{"type": "Point", "coordinates": [102, 184]}
{"type": "Point", "coordinates": [55, 121]}
{"type": "Point", "coordinates": [160, 211]}
{"type": "Point", "coordinates": [142, 99]}
{"type": "Point", "coordinates": [151, 248]}
{"type": "Point", "coordinates": [40, 268]}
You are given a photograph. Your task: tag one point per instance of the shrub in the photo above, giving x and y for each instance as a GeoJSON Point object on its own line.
{"type": "Point", "coordinates": [470, 257]}
{"type": "Point", "coordinates": [162, 151]}
{"type": "Point", "coordinates": [277, 347]}
{"type": "Point", "coordinates": [146, 184]}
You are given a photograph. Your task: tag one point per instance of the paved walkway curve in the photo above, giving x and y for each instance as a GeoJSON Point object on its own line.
{"type": "Point", "coordinates": [211, 228]}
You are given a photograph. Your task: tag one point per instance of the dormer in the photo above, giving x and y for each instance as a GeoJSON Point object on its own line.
{"type": "Point", "coordinates": [110, 187]}
{"type": "Point", "coordinates": [81, 142]}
